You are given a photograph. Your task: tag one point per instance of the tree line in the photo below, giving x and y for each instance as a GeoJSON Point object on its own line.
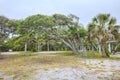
{"type": "Point", "coordinates": [60, 32]}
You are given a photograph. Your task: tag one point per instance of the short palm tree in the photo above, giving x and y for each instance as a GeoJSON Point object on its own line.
{"type": "Point", "coordinates": [102, 28]}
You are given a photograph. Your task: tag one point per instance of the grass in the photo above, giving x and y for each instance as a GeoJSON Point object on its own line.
{"type": "Point", "coordinates": [100, 70]}
{"type": "Point", "coordinates": [21, 53]}
{"type": "Point", "coordinates": [23, 66]}
{"type": "Point", "coordinates": [1, 79]}
{"type": "Point", "coordinates": [114, 57]}
{"type": "Point", "coordinates": [90, 55]}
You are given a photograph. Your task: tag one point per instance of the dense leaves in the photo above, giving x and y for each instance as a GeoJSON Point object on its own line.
{"type": "Point", "coordinates": [58, 32]}
{"type": "Point", "coordinates": [103, 28]}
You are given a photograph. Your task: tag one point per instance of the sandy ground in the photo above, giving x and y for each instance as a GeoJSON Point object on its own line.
{"type": "Point", "coordinates": [9, 53]}
{"type": "Point", "coordinates": [94, 69]}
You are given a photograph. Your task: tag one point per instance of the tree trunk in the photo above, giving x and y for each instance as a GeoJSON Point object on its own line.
{"type": "Point", "coordinates": [109, 47]}
{"type": "Point", "coordinates": [83, 48]}
{"type": "Point", "coordinates": [99, 48]}
{"type": "Point", "coordinates": [0, 55]}
{"type": "Point", "coordinates": [75, 51]}
{"type": "Point", "coordinates": [104, 54]}
{"type": "Point", "coordinates": [38, 47]}
{"type": "Point", "coordinates": [116, 47]}
{"type": "Point", "coordinates": [71, 46]}
{"type": "Point", "coordinates": [84, 52]}
{"type": "Point", "coordinates": [94, 46]}
{"type": "Point", "coordinates": [48, 45]}
{"type": "Point", "coordinates": [92, 49]}
{"type": "Point", "coordinates": [25, 50]}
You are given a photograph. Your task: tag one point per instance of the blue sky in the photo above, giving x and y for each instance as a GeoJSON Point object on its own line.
{"type": "Point", "coordinates": [84, 9]}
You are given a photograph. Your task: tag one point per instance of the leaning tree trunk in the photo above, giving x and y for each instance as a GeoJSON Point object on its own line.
{"type": "Point", "coordinates": [72, 46]}
{"type": "Point", "coordinates": [116, 48]}
{"type": "Point", "coordinates": [75, 50]}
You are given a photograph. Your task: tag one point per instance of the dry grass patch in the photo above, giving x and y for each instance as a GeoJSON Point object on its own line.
{"type": "Point", "coordinates": [24, 66]}
{"type": "Point", "coordinates": [100, 70]}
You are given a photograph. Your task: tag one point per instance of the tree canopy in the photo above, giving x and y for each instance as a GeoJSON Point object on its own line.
{"type": "Point", "coordinates": [50, 32]}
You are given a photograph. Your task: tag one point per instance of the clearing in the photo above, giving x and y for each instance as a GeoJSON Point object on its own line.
{"type": "Point", "coordinates": [58, 66]}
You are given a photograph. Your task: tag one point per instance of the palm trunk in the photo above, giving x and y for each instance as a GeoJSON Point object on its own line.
{"type": "Point", "coordinates": [92, 47]}
{"type": "Point", "coordinates": [104, 54]}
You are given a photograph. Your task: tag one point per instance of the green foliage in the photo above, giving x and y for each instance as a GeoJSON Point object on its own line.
{"type": "Point", "coordinates": [3, 47]}
{"type": "Point", "coordinates": [4, 32]}
{"type": "Point", "coordinates": [82, 32]}
{"type": "Point", "coordinates": [118, 49]}
{"type": "Point", "coordinates": [64, 32]}
{"type": "Point", "coordinates": [60, 19]}
{"type": "Point", "coordinates": [103, 28]}
{"type": "Point", "coordinates": [107, 52]}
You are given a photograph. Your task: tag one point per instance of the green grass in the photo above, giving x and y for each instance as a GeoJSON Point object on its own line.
{"type": "Point", "coordinates": [28, 52]}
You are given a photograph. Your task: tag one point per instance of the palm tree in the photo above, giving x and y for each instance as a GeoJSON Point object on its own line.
{"type": "Point", "coordinates": [102, 28]}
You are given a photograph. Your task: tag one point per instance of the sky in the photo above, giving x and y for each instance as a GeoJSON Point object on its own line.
{"type": "Point", "coordinates": [84, 9]}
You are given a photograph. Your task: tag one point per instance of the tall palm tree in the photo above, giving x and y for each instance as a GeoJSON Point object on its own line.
{"type": "Point", "coordinates": [102, 28]}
